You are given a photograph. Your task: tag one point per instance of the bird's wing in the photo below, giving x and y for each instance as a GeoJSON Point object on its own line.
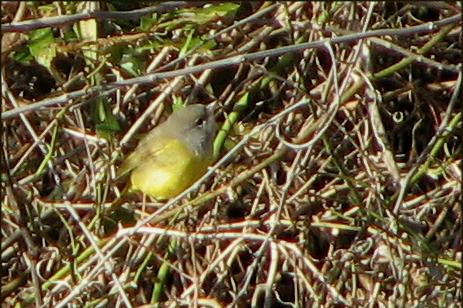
{"type": "Point", "coordinates": [147, 149]}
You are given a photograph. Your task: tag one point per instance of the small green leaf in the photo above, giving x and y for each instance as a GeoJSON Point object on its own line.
{"type": "Point", "coordinates": [147, 22]}
{"type": "Point", "coordinates": [132, 64]}
{"type": "Point", "coordinates": [42, 46]}
{"type": "Point", "coordinates": [204, 15]}
{"type": "Point", "coordinates": [23, 56]}
{"type": "Point", "coordinates": [178, 103]}
{"type": "Point", "coordinates": [106, 124]}
{"type": "Point", "coordinates": [193, 42]}
{"type": "Point", "coordinates": [190, 18]}
{"type": "Point", "coordinates": [185, 46]}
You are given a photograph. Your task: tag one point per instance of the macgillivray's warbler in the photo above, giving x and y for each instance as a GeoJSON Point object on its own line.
{"type": "Point", "coordinates": [172, 156]}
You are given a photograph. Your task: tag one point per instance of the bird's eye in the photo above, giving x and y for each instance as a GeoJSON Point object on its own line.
{"type": "Point", "coordinates": [199, 122]}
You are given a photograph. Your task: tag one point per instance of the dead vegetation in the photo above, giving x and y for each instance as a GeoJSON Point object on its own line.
{"type": "Point", "coordinates": [339, 159]}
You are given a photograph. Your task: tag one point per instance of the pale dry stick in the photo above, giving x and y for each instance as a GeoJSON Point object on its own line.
{"type": "Point", "coordinates": [200, 83]}
{"type": "Point", "coordinates": [250, 224]}
{"type": "Point", "coordinates": [194, 279]}
{"type": "Point", "coordinates": [272, 272]}
{"type": "Point", "coordinates": [146, 242]}
{"type": "Point", "coordinates": [242, 225]}
{"type": "Point", "coordinates": [379, 131]}
{"type": "Point", "coordinates": [438, 200]}
{"type": "Point", "coordinates": [293, 174]}
{"type": "Point", "coordinates": [20, 12]}
{"type": "Point", "coordinates": [31, 248]}
{"type": "Point", "coordinates": [251, 270]}
{"type": "Point", "coordinates": [63, 156]}
{"type": "Point", "coordinates": [32, 147]}
{"type": "Point", "coordinates": [199, 236]}
{"type": "Point", "coordinates": [272, 200]}
{"type": "Point", "coordinates": [325, 92]}
{"type": "Point", "coordinates": [66, 98]}
{"type": "Point", "coordinates": [200, 302]}
{"type": "Point", "coordinates": [151, 67]}
{"type": "Point", "coordinates": [10, 40]}
{"type": "Point", "coordinates": [275, 221]}
{"type": "Point", "coordinates": [53, 254]}
{"type": "Point", "coordinates": [228, 95]}
{"type": "Point", "coordinates": [417, 57]}
{"type": "Point", "coordinates": [6, 92]}
{"type": "Point", "coordinates": [32, 265]}
{"type": "Point", "coordinates": [294, 166]}
{"type": "Point", "coordinates": [264, 33]}
{"type": "Point", "coordinates": [375, 176]}
{"type": "Point", "coordinates": [304, 161]}
{"type": "Point", "coordinates": [405, 182]}
{"type": "Point", "coordinates": [255, 204]}
{"type": "Point", "coordinates": [364, 29]}
{"type": "Point", "coordinates": [332, 110]}
{"type": "Point", "coordinates": [59, 286]}
{"type": "Point", "coordinates": [299, 273]}
{"type": "Point", "coordinates": [87, 151]}
{"type": "Point", "coordinates": [358, 48]}
{"type": "Point", "coordinates": [355, 57]}
{"type": "Point", "coordinates": [8, 250]}
{"type": "Point", "coordinates": [117, 99]}
{"type": "Point", "coordinates": [415, 202]}
{"type": "Point", "coordinates": [256, 295]}
{"type": "Point", "coordinates": [437, 223]}
{"type": "Point", "coordinates": [108, 267]}
{"type": "Point", "coordinates": [356, 152]}
{"type": "Point", "coordinates": [92, 139]}
{"type": "Point", "coordinates": [363, 149]}
{"type": "Point", "coordinates": [309, 264]}
{"type": "Point", "coordinates": [231, 250]}
{"type": "Point", "coordinates": [306, 185]}
{"type": "Point", "coordinates": [57, 21]}
{"type": "Point", "coordinates": [33, 134]}
{"type": "Point", "coordinates": [372, 302]}
{"type": "Point", "coordinates": [385, 249]}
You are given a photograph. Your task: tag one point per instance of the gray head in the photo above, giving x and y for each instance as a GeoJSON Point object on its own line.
{"type": "Point", "coordinates": [195, 124]}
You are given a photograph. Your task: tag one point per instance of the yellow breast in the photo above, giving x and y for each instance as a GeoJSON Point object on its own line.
{"type": "Point", "coordinates": [169, 171]}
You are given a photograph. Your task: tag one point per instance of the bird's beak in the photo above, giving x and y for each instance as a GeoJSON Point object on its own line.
{"type": "Point", "coordinates": [213, 108]}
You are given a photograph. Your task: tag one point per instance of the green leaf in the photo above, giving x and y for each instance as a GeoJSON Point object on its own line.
{"type": "Point", "coordinates": [193, 42]}
{"type": "Point", "coordinates": [190, 18]}
{"type": "Point", "coordinates": [185, 46]}
{"type": "Point", "coordinates": [132, 64]}
{"type": "Point", "coordinates": [204, 15]}
{"type": "Point", "coordinates": [230, 121]}
{"type": "Point", "coordinates": [147, 22]}
{"type": "Point", "coordinates": [178, 103]}
{"type": "Point", "coordinates": [106, 123]}
{"type": "Point", "coordinates": [42, 46]}
{"type": "Point", "coordinates": [153, 46]}
{"type": "Point", "coordinates": [23, 56]}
